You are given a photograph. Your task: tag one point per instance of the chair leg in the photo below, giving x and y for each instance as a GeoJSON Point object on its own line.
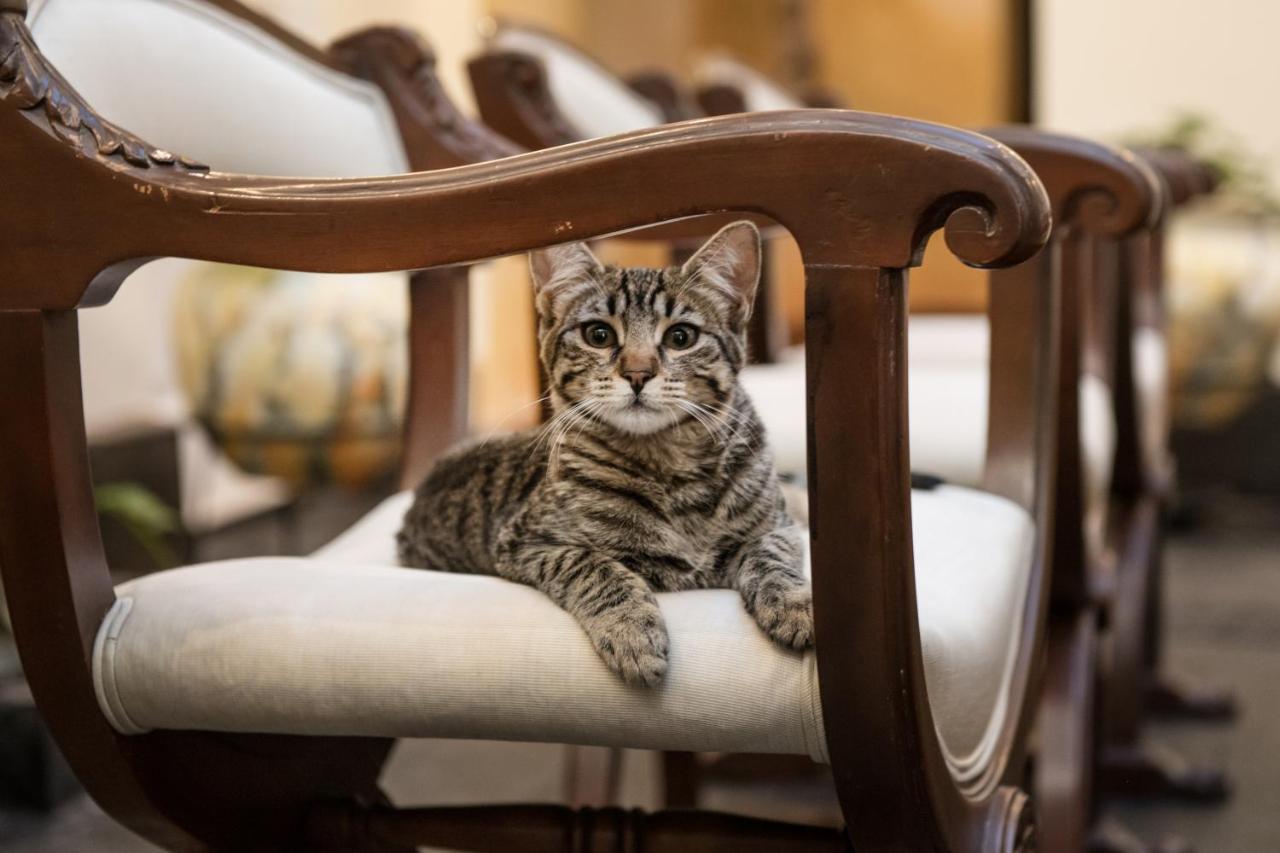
{"type": "Point", "coordinates": [1167, 699]}
{"type": "Point", "coordinates": [1163, 697]}
{"type": "Point", "coordinates": [1064, 762]}
{"type": "Point", "coordinates": [1111, 837]}
{"type": "Point", "coordinates": [1147, 772]}
{"type": "Point", "coordinates": [681, 777]}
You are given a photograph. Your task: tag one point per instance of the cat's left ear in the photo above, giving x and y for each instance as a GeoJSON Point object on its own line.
{"type": "Point", "coordinates": [558, 271]}
{"type": "Point", "coordinates": [729, 263]}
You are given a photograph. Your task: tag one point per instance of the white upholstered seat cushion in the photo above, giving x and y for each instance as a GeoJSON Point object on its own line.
{"type": "Point", "coordinates": [1151, 382]}
{"type": "Point", "coordinates": [594, 101]}
{"type": "Point", "coordinates": [947, 403]}
{"type": "Point", "coordinates": [347, 643]}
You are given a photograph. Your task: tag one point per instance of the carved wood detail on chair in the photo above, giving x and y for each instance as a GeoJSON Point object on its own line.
{"type": "Point", "coordinates": [29, 82]}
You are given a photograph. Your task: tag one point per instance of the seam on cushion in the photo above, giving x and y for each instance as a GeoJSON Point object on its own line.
{"type": "Point", "coordinates": [815, 734]}
{"type": "Point", "coordinates": [105, 685]}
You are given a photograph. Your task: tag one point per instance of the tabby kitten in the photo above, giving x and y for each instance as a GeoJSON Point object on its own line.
{"type": "Point", "coordinates": [652, 475]}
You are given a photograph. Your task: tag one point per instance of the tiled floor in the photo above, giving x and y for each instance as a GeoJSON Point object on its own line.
{"type": "Point", "coordinates": [1224, 621]}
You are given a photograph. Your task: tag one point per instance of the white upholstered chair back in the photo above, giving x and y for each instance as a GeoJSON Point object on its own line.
{"type": "Point", "coordinates": [593, 99]}
{"type": "Point", "coordinates": [195, 79]}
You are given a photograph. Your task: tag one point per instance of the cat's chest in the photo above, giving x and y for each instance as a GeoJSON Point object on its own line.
{"type": "Point", "coordinates": [677, 511]}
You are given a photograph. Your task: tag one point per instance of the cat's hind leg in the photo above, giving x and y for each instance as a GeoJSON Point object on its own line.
{"type": "Point", "coordinates": [614, 605]}
{"type": "Point", "coordinates": [769, 575]}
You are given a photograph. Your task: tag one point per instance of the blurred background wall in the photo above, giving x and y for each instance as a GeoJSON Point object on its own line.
{"type": "Point", "coordinates": [1094, 76]}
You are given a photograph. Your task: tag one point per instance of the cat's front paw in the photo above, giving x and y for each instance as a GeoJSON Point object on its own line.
{"type": "Point", "coordinates": [634, 645]}
{"type": "Point", "coordinates": [787, 617]}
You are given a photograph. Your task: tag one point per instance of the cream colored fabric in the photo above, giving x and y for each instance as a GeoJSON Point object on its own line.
{"type": "Point", "coordinates": [760, 93]}
{"type": "Point", "coordinates": [947, 405]}
{"type": "Point", "coordinates": [594, 101]}
{"type": "Point", "coordinates": [194, 79]}
{"type": "Point", "coordinates": [347, 643]}
{"type": "Point", "coordinates": [197, 80]}
{"type": "Point", "coordinates": [1151, 380]}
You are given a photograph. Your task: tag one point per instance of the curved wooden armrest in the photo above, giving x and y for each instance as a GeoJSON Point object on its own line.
{"type": "Point", "coordinates": [119, 200]}
{"type": "Point", "coordinates": [84, 202]}
{"type": "Point", "coordinates": [663, 91]}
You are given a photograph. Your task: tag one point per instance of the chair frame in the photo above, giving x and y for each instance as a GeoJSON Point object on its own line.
{"type": "Point", "coordinates": [87, 202]}
{"type": "Point", "coordinates": [1100, 196]}
{"type": "Point", "coordinates": [1141, 491]}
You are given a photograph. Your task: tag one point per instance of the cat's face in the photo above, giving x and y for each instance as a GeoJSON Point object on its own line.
{"type": "Point", "coordinates": [643, 350]}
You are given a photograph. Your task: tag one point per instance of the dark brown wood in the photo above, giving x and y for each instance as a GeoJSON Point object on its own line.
{"type": "Point", "coordinates": [662, 90]}
{"type": "Point", "coordinates": [1064, 758]}
{"type": "Point", "coordinates": [553, 829]}
{"type": "Point", "coordinates": [721, 99]}
{"type": "Point", "coordinates": [78, 215]}
{"type": "Point", "coordinates": [439, 375]}
{"type": "Point", "coordinates": [436, 133]}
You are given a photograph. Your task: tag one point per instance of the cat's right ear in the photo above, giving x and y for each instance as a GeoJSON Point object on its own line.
{"type": "Point", "coordinates": [559, 270]}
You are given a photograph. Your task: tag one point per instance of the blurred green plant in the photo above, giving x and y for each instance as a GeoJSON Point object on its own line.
{"type": "Point", "coordinates": [1245, 188]}
{"type": "Point", "coordinates": [147, 518]}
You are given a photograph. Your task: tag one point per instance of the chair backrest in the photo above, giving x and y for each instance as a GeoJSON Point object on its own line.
{"type": "Point", "coordinates": [199, 79]}
{"type": "Point", "coordinates": [214, 82]}
{"type": "Point", "coordinates": [591, 97]}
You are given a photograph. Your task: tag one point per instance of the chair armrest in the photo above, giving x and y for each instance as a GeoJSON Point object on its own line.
{"type": "Point", "coordinates": [75, 180]}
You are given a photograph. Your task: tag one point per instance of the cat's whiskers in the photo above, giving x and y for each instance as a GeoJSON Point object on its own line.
{"type": "Point", "coordinates": [692, 409]}
{"type": "Point", "coordinates": [728, 420]}
{"type": "Point", "coordinates": [547, 429]}
{"type": "Point", "coordinates": [582, 417]}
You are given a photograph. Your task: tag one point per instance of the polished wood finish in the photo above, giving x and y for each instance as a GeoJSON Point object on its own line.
{"type": "Point", "coordinates": [81, 210]}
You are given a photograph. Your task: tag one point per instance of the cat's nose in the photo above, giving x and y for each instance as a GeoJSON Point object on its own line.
{"type": "Point", "coordinates": [637, 378]}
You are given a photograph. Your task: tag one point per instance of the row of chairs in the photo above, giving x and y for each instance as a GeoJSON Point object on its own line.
{"type": "Point", "coordinates": [967, 635]}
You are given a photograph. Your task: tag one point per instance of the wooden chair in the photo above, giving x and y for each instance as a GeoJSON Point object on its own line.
{"type": "Point", "coordinates": [1186, 179]}
{"type": "Point", "coordinates": [279, 745]}
{"type": "Point", "coordinates": [1108, 532]}
{"type": "Point", "coordinates": [1142, 486]}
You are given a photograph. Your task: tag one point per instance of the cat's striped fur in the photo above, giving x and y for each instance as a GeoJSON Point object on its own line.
{"type": "Point", "coordinates": [653, 473]}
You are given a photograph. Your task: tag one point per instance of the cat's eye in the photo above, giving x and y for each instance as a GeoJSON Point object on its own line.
{"type": "Point", "coordinates": [599, 335]}
{"type": "Point", "coordinates": [680, 336]}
